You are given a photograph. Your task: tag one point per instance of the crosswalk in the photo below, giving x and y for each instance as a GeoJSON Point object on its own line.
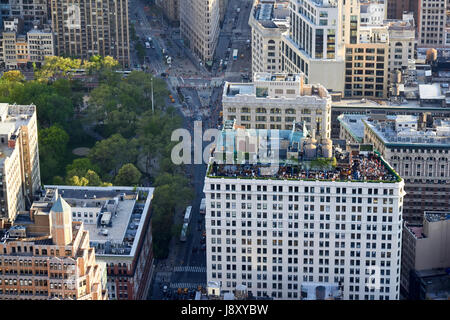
{"type": "Point", "coordinates": [162, 276]}
{"type": "Point", "coordinates": [189, 269]}
{"type": "Point", "coordinates": [189, 285]}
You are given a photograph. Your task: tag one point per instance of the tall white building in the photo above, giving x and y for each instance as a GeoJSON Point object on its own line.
{"type": "Point", "coordinates": [275, 101]}
{"type": "Point", "coordinates": [314, 43]}
{"type": "Point", "coordinates": [302, 228]}
{"type": "Point", "coordinates": [19, 159]}
{"type": "Point", "coordinates": [199, 26]}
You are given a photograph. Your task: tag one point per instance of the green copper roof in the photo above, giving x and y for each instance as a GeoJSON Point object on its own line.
{"type": "Point", "coordinates": [60, 205]}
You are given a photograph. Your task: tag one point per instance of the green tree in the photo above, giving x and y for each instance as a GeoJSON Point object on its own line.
{"type": "Point", "coordinates": [13, 75]}
{"type": "Point", "coordinates": [79, 167]}
{"type": "Point", "coordinates": [93, 178]}
{"type": "Point", "coordinates": [52, 151]}
{"type": "Point", "coordinates": [77, 181]}
{"type": "Point", "coordinates": [57, 67]}
{"type": "Point", "coordinates": [128, 175]}
{"type": "Point", "coordinates": [110, 154]}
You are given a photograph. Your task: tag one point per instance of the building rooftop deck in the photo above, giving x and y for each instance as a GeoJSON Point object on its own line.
{"type": "Point", "coordinates": [365, 167]}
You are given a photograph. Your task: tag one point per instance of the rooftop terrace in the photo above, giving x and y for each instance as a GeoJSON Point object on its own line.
{"type": "Point", "coordinates": [365, 167]}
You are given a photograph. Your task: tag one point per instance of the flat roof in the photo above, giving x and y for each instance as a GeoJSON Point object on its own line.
{"type": "Point", "coordinates": [126, 220]}
{"type": "Point", "coordinates": [386, 131]}
{"type": "Point", "coordinates": [430, 92]}
{"type": "Point", "coordinates": [354, 125]}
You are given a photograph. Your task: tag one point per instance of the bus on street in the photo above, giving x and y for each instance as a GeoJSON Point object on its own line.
{"type": "Point", "coordinates": [235, 54]}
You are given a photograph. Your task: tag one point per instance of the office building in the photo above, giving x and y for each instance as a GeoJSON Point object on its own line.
{"type": "Point", "coordinates": [315, 42]}
{"type": "Point", "coordinates": [401, 44]}
{"type": "Point", "coordinates": [19, 160]}
{"type": "Point", "coordinates": [418, 149]}
{"type": "Point", "coordinates": [276, 101]}
{"type": "Point", "coordinates": [352, 127]}
{"type": "Point", "coordinates": [17, 48]}
{"type": "Point", "coordinates": [171, 10]}
{"type": "Point", "coordinates": [46, 255]}
{"type": "Point", "coordinates": [396, 8]}
{"type": "Point", "coordinates": [88, 28]}
{"type": "Point", "coordinates": [31, 12]}
{"type": "Point", "coordinates": [433, 25]}
{"type": "Point", "coordinates": [295, 227]}
{"type": "Point", "coordinates": [373, 12]}
{"type": "Point", "coordinates": [199, 27]}
{"type": "Point", "coordinates": [426, 247]}
{"type": "Point", "coordinates": [268, 20]}
{"type": "Point", "coordinates": [366, 64]}
{"type": "Point", "coordinates": [118, 221]}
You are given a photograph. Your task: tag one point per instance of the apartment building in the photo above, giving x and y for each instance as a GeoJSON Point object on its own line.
{"type": "Point", "coordinates": [40, 45]}
{"type": "Point", "coordinates": [46, 255]}
{"type": "Point", "coordinates": [18, 49]}
{"type": "Point", "coordinates": [418, 149]}
{"type": "Point", "coordinates": [426, 246]}
{"type": "Point", "coordinates": [171, 9]}
{"type": "Point", "coordinates": [32, 12]}
{"type": "Point", "coordinates": [433, 25]}
{"type": "Point", "coordinates": [88, 28]}
{"type": "Point", "coordinates": [373, 12]}
{"type": "Point", "coordinates": [314, 44]}
{"type": "Point", "coordinates": [19, 160]}
{"type": "Point", "coordinates": [199, 27]}
{"type": "Point", "coordinates": [396, 8]}
{"type": "Point", "coordinates": [118, 221]}
{"type": "Point", "coordinates": [276, 101]}
{"type": "Point", "coordinates": [366, 64]}
{"type": "Point", "coordinates": [288, 227]}
{"type": "Point", "coordinates": [268, 20]}
{"type": "Point", "coordinates": [402, 38]}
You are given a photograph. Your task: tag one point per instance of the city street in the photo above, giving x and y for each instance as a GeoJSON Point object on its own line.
{"type": "Point", "coordinates": [185, 268]}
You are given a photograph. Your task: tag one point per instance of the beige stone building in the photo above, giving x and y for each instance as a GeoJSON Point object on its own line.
{"type": "Point", "coordinates": [199, 27]}
{"type": "Point", "coordinates": [366, 64]}
{"type": "Point", "coordinates": [402, 37]}
{"type": "Point", "coordinates": [119, 223]}
{"type": "Point", "coordinates": [17, 50]}
{"type": "Point", "coordinates": [45, 255]}
{"type": "Point", "coordinates": [19, 160]}
{"type": "Point", "coordinates": [86, 28]}
{"type": "Point", "coordinates": [268, 20]}
{"type": "Point", "coordinates": [276, 101]}
{"type": "Point", "coordinates": [426, 245]}
{"type": "Point", "coordinates": [418, 149]}
{"type": "Point", "coordinates": [433, 25]}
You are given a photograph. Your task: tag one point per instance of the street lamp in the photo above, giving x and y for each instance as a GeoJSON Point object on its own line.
{"type": "Point", "coordinates": [153, 108]}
